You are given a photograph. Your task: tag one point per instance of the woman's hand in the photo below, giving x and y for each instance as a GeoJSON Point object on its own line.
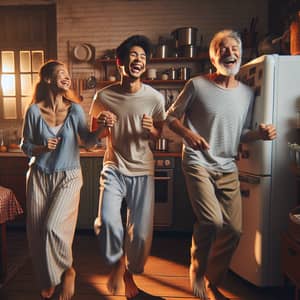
{"type": "Point", "coordinates": [52, 143]}
{"type": "Point", "coordinates": [50, 146]}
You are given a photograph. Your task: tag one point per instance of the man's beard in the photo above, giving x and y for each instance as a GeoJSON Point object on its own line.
{"type": "Point", "coordinates": [223, 70]}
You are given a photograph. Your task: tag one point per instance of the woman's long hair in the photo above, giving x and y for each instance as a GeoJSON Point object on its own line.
{"type": "Point", "coordinates": [42, 91]}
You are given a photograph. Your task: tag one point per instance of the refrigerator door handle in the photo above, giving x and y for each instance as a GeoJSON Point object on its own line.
{"type": "Point", "coordinates": [249, 179]}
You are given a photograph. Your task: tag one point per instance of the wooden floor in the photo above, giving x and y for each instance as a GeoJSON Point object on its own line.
{"type": "Point", "coordinates": [166, 272]}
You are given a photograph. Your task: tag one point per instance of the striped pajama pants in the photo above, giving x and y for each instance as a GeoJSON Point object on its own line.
{"type": "Point", "coordinates": [138, 192]}
{"type": "Point", "coordinates": [52, 210]}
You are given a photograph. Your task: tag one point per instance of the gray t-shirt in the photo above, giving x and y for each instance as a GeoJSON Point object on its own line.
{"type": "Point", "coordinates": [221, 115]}
{"type": "Point", "coordinates": [128, 143]}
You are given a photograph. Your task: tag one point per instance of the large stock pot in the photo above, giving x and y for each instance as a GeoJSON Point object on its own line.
{"type": "Point", "coordinates": [185, 36]}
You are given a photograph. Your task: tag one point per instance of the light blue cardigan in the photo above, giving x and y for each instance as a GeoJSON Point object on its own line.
{"type": "Point", "coordinates": [66, 156]}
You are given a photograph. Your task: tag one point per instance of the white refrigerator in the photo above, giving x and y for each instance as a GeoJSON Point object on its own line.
{"type": "Point", "coordinates": [268, 186]}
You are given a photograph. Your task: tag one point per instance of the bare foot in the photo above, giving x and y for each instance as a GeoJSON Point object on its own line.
{"type": "Point", "coordinates": [216, 294]}
{"type": "Point", "coordinates": [131, 289]}
{"type": "Point", "coordinates": [48, 293]}
{"type": "Point", "coordinates": [68, 285]}
{"type": "Point", "coordinates": [198, 285]}
{"type": "Point", "coordinates": [115, 280]}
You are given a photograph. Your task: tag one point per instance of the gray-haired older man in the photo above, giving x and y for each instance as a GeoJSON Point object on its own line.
{"type": "Point", "coordinates": [217, 117]}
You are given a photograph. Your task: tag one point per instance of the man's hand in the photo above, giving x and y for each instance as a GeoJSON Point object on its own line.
{"type": "Point", "coordinates": [195, 141]}
{"type": "Point", "coordinates": [147, 123]}
{"type": "Point", "coordinates": [107, 119]}
{"type": "Point", "coordinates": [267, 132]}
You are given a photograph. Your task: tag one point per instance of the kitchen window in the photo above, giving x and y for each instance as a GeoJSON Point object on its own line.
{"type": "Point", "coordinates": [18, 75]}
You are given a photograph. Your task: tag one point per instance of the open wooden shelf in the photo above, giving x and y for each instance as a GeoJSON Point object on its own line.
{"type": "Point", "coordinates": [200, 56]}
{"type": "Point", "coordinates": [104, 83]}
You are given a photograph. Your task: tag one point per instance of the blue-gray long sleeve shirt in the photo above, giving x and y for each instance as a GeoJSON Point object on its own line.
{"type": "Point", "coordinates": [66, 156]}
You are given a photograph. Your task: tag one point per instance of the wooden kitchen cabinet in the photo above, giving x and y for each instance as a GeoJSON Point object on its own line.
{"type": "Point", "coordinates": [290, 261]}
{"type": "Point", "coordinates": [88, 207]}
{"type": "Point", "coordinates": [13, 176]}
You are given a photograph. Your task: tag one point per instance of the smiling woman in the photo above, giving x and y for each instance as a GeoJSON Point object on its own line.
{"type": "Point", "coordinates": [53, 125]}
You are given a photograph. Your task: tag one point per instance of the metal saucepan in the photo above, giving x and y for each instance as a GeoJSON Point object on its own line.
{"type": "Point", "coordinates": [161, 51]}
{"type": "Point", "coordinates": [185, 36]}
{"type": "Point", "coordinates": [91, 82]}
{"type": "Point", "coordinates": [161, 144]}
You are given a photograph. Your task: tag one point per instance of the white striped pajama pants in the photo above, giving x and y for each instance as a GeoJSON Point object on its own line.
{"type": "Point", "coordinates": [52, 210]}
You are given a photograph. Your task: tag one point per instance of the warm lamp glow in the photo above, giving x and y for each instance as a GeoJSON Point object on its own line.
{"type": "Point", "coordinates": [153, 275]}
{"type": "Point", "coordinates": [257, 248]}
{"type": "Point", "coordinates": [8, 85]}
{"type": "Point", "coordinates": [26, 84]}
{"type": "Point", "coordinates": [19, 71]}
{"type": "Point", "coordinates": [8, 61]}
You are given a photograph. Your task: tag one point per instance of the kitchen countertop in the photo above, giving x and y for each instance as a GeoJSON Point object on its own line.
{"type": "Point", "coordinates": [12, 154]}
{"type": "Point", "coordinates": [94, 153]}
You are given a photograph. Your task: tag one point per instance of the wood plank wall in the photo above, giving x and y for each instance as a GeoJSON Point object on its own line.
{"type": "Point", "coordinates": [105, 23]}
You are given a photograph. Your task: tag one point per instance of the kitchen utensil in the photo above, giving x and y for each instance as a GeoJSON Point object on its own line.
{"type": "Point", "coordinates": [187, 51]}
{"type": "Point", "coordinates": [91, 82]}
{"type": "Point", "coordinates": [161, 51]}
{"type": "Point", "coordinates": [185, 36]}
{"type": "Point", "coordinates": [184, 73]}
{"type": "Point", "coordinates": [151, 73]}
{"type": "Point", "coordinates": [169, 99]}
{"type": "Point", "coordinates": [3, 148]}
{"type": "Point", "coordinates": [161, 144]}
{"type": "Point", "coordinates": [173, 73]}
{"type": "Point", "coordinates": [164, 76]}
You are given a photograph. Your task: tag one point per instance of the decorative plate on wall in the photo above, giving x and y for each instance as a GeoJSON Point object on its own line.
{"type": "Point", "coordinates": [83, 52]}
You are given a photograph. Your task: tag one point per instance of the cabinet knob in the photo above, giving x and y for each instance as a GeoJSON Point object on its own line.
{"type": "Point", "coordinates": [167, 163]}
